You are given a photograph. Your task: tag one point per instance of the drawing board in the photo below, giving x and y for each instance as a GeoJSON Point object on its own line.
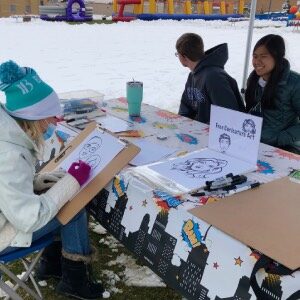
{"type": "Point", "coordinates": [97, 150]}
{"type": "Point", "coordinates": [105, 152]}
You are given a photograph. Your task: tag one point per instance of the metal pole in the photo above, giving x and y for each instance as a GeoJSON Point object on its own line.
{"type": "Point", "coordinates": [269, 9]}
{"type": "Point", "coordinates": [248, 45]}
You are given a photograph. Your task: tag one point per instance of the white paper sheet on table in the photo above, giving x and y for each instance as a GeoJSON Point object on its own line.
{"type": "Point", "coordinates": [113, 124]}
{"type": "Point", "coordinates": [150, 152]}
{"type": "Point", "coordinates": [194, 169]}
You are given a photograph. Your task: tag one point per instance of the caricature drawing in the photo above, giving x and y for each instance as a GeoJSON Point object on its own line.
{"type": "Point", "coordinates": [224, 141]}
{"type": "Point", "coordinates": [249, 126]}
{"type": "Point", "coordinates": [200, 167]}
{"type": "Point", "coordinates": [93, 160]}
{"type": "Point", "coordinates": [89, 152]}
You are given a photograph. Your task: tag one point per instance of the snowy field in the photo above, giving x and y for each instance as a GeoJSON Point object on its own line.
{"type": "Point", "coordinates": [103, 57]}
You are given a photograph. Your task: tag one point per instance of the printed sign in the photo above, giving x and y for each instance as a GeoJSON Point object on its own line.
{"type": "Point", "coordinates": [234, 133]}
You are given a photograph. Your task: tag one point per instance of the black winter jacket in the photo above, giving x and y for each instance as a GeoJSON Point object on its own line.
{"type": "Point", "coordinates": [210, 84]}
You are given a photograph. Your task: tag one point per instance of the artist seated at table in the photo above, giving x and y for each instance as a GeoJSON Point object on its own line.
{"type": "Point", "coordinates": [208, 83]}
{"type": "Point", "coordinates": [273, 92]}
{"type": "Point", "coordinates": [29, 202]}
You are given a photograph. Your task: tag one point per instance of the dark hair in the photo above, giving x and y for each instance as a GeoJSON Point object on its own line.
{"type": "Point", "coordinates": [275, 45]}
{"type": "Point", "coordinates": [251, 123]}
{"type": "Point", "coordinates": [190, 45]}
{"type": "Point", "coordinates": [225, 136]}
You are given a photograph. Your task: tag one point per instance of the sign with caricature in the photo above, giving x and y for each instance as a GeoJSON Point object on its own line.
{"type": "Point", "coordinates": [234, 133]}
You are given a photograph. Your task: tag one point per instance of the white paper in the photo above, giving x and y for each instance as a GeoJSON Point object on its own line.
{"type": "Point", "coordinates": [97, 149]}
{"type": "Point", "coordinates": [113, 124]}
{"type": "Point", "coordinates": [150, 152]}
{"type": "Point", "coordinates": [194, 169]}
{"type": "Point", "coordinates": [234, 133]}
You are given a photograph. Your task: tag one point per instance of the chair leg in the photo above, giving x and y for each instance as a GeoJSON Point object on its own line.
{"type": "Point", "coordinates": [9, 291]}
{"type": "Point", "coordinates": [19, 282]}
{"type": "Point", "coordinates": [29, 266]}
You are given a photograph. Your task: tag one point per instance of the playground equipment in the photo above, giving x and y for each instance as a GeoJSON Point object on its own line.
{"type": "Point", "coordinates": [294, 16]}
{"type": "Point", "coordinates": [189, 9]}
{"type": "Point", "coordinates": [73, 11]}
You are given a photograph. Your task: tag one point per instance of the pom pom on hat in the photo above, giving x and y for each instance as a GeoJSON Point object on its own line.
{"type": "Point", "coordinates": [27, 96]}
{"type": "Point", "coordinates": [10, 72]}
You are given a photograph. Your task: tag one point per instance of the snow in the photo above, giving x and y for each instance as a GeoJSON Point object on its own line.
{"type": "Point", "coordinates": [135, 275]}
{"type": "Point", "coordinates": [132, 275]}
{"type": "Point", "coordinates": [103, 57]}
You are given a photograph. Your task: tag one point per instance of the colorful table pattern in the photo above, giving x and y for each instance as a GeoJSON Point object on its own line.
{"type": "Point", "coordinates": [193, 257]}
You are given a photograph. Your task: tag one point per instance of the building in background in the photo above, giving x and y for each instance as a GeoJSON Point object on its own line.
{"type": "Point", "coordinates": [104, 7]}
{"type": "Point", "coordinates": [20, 7]}
{"type": "Point", "coordinates": [264, 6]}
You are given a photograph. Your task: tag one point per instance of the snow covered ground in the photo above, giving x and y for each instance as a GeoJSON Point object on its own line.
{"type": "Point", "coordinates": [103, 57]}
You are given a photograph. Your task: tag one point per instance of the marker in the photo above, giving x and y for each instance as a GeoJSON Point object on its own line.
{"type": "Point", "coordinates": [199, 194]}
{"type": "Point", "coordinates": [162, 137]}
{"type": "Point", "coordinates": [220, 179]}
{"type": "Point", "coordinates": [244, 188]}
{"type": "Point", "coordinates": [233, 184]}
{"type": "Point", "coordinates": [229, 183]}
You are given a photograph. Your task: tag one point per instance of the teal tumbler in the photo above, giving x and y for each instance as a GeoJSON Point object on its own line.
{"type": "Point", "coordinates": [134, 95]}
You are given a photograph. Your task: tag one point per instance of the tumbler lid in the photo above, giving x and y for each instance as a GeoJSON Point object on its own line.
{"type": "Point", "coordinates": [134, 83]}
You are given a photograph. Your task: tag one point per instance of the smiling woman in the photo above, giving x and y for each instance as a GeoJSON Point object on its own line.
{"type": "Point", "coordinates": [273, 92]}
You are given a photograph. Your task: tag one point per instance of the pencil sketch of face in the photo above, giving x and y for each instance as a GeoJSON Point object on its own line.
{"type": "Point", "coordinates": [90, 148]}
{"type": "Point", "coordinates": [249, 126]}
{"type": "Point", "coordinates": [224, 141]}
{"type": "Point", "coordinates": [93, 161]}
{"type": "Point", "coordinates": [201, 167]}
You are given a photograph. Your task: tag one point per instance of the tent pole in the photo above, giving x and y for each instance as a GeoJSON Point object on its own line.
{"type": "Point", "coordinates": [248, 45]}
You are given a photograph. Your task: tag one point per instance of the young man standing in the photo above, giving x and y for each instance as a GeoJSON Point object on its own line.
{"type": "Point", "coordinates": [208, 83]}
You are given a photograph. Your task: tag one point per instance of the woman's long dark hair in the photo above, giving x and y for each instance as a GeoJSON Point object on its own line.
{"type": "Point", "coordinates": [276, 47]}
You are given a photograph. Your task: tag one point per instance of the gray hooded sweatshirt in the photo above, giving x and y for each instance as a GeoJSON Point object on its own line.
{"type": "Point", "coordinates": [210, 84]}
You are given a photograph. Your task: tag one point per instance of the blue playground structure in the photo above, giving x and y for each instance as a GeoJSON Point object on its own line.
{"type": "Point", "coordinates": [73, 11]}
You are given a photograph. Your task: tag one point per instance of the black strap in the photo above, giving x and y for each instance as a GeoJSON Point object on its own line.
{"type": "Point", "coordinates": [270, 267]}
{"type": "Point", "coordinates": [295, 296]}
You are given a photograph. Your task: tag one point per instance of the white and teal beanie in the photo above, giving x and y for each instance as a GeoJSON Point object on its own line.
{"type": "Point", "coordinates": [27, 96]}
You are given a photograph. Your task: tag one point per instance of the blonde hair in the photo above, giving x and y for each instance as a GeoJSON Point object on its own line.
{"type": "Point", "coordinates": [34, 130]}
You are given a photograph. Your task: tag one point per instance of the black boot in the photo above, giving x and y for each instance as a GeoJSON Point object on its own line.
{"type": "Point", "coordinates": [77, 279]}
{"type": "Point", "coordinates": [50, 262]}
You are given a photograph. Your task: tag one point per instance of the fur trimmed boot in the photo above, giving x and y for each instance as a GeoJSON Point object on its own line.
{"type": "Point", "coordinates": [50, 262]}
{"type": "Point", "coordinates": [77, 278]}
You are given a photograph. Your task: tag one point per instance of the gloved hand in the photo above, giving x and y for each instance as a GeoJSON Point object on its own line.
{"type": "Point", "coordinates": [44, 181]}
{"type": "Point", "coordinates": [80, 171]}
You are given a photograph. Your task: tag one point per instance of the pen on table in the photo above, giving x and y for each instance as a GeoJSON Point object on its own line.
{"type": "Point", "coordinates": [199, 193]}
{"type": "Point", "coordinates": [243, 188]}
{"type": "Point", "coordinates": [220, 180]}
{"type": "Point", "coordinates": [76, 119]}
{"type": "Point", "coordinates": [223, 181]}
{"type": "Point", "coordinates": [230, 180]}
{"type": "Point", "coordinates": [238, 179]}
